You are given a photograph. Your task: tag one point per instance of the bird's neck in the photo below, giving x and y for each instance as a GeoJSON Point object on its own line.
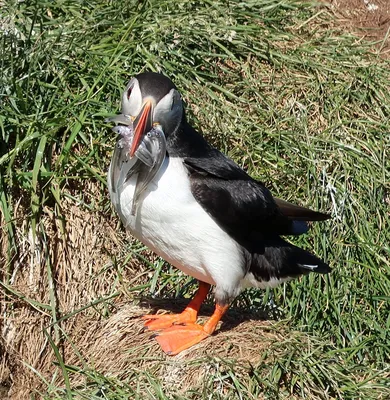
{"type": "Point", "coordinates": [185, 141]}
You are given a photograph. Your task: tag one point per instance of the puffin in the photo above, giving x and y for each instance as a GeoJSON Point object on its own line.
{"type": "Point", "coordinates": [200, 212]}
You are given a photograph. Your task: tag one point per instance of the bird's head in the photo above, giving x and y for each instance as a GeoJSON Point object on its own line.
{"type": "Point", "coordinates": [150, 99]}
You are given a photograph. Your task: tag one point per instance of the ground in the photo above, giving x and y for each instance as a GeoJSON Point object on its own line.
{"type": "Point", "coordinates": [368, 19]}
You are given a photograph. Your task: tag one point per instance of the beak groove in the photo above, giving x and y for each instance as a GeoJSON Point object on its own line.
{"type": "Point", "coordinates": [142, 124]}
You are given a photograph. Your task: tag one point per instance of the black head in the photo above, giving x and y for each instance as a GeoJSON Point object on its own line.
{"type": "Point", "coordinates": [149, 99]}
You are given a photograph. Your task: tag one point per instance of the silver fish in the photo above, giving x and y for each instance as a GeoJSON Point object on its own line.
{"type": "Point", "coordinates": [121, 119]}
{"type": "Point", "coordinates": [151, 152]}
{"type": "Point", "coordinates": [146, 161]}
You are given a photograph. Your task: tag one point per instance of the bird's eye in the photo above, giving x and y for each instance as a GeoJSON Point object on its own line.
{"type": "Point", "coordinates": [129, 90]}
{"type": "Point", "coordinates": [175, 98]}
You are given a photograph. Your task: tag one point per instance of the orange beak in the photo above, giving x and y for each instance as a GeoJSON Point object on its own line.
{"type": "Point", "coordinates": [142, 124]}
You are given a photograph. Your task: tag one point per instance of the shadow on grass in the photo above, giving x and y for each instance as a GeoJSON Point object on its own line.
{"type": "Point", "coordinates": [233, 318]}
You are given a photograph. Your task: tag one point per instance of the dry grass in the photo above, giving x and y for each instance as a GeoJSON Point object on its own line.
{"type": "Point", "coordinates": [78, 247]}
{"type": "Point", "coordinates": [120, 342]}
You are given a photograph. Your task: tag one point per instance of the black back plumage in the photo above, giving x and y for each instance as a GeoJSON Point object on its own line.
{"type": "Point", "coordinates": [246, 209]}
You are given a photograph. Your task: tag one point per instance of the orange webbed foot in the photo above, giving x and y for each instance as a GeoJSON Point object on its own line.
{"type": "Point", "coordinates": [178, 332]}
{"type": "Point", "coordinates": [155, 322]}
{"type": "Point", "coordinates": [177, 338]}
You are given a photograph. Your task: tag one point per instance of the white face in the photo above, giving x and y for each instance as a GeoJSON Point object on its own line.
{"type": "Point", "coordinates": [167, 112]}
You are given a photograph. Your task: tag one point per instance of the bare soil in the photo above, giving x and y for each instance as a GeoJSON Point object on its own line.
{"type": "Point", "coordinates": [368, 19]}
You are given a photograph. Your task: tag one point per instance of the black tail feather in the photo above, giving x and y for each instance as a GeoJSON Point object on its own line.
{"type": "Point", "coordinates": [299, 213]}
{"type": "Point", "coordinates": [281, 259]}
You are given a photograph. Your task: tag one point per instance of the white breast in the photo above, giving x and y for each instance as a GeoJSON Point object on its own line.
{"type": "Point", "coordinates": [173, 224]}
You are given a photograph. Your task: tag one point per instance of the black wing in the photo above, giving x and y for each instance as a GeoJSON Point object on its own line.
{"type": "Point", "coordinates": [242, 206]}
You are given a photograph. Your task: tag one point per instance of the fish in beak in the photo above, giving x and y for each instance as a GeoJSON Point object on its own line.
{"type": "Point", "coordinates": [151, 110]}
{"type": "Point", "coordinates": [142, 159]}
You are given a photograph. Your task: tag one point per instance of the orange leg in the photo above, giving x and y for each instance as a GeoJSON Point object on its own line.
{"type": "Point", "coordinates": [156, 322]}
{"type": "Point", "coordinates": [177, 338]}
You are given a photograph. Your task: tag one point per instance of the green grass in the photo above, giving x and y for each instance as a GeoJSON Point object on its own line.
{"type": "Point", "coordinates": [303, 107]}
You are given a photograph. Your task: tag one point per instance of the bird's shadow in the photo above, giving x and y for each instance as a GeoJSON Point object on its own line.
{"type": "Point", "coordinates": [234, 316]}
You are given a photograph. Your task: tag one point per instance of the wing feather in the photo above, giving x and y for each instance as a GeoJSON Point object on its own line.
{"type": "Point", "coordinates": [242, 206]}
